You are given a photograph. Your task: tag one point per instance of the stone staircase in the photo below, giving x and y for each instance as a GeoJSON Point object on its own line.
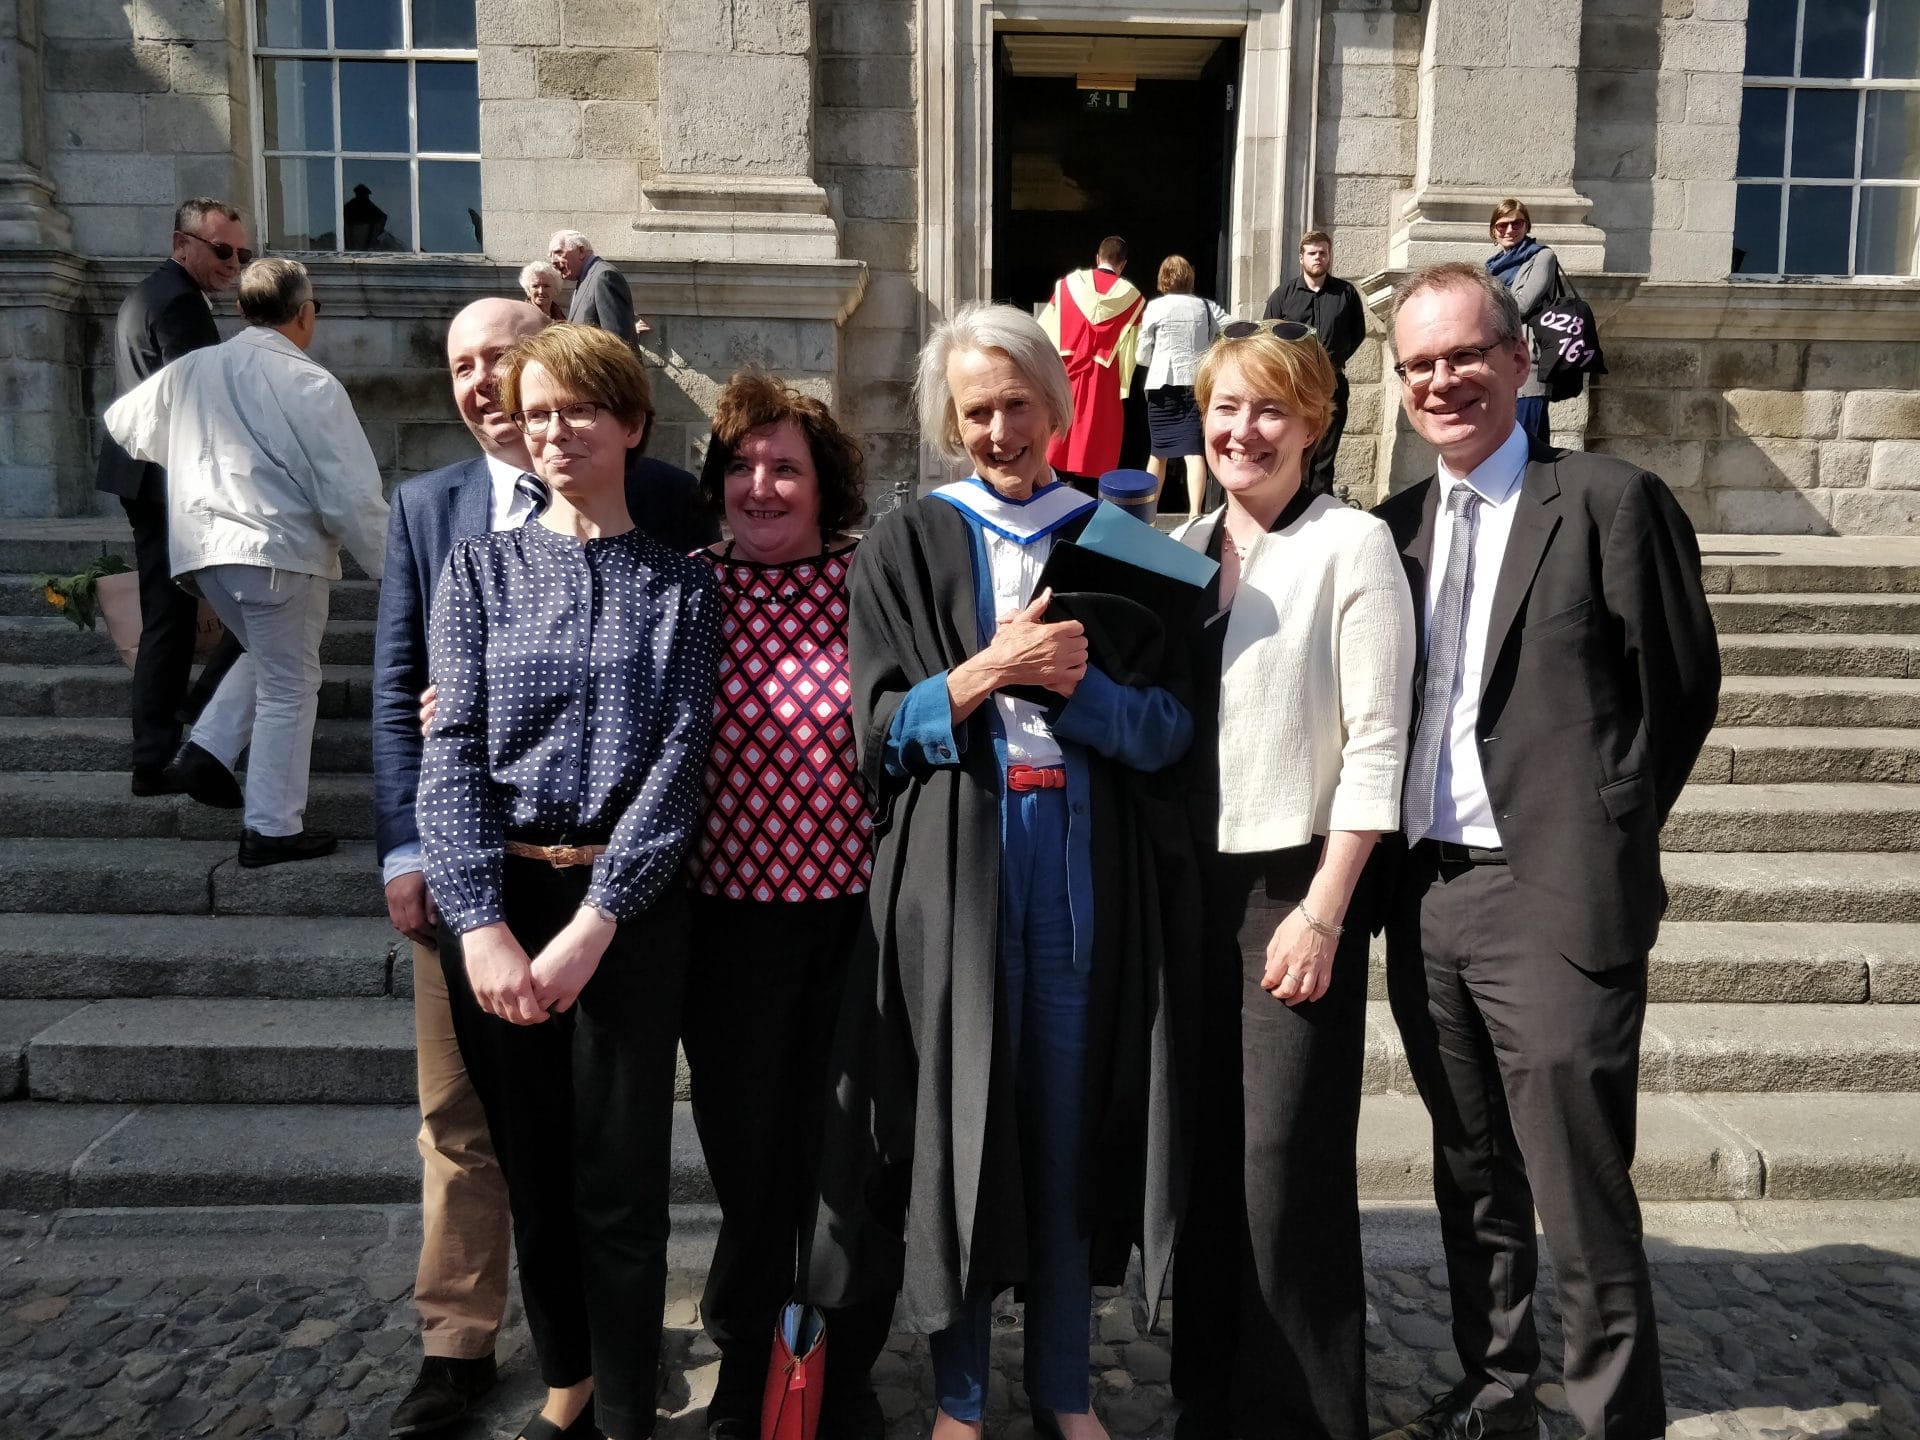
{"type": "Point", "coordinates": [177, 1031]}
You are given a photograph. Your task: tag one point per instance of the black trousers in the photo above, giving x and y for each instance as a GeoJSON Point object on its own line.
{"type": "Point", "coordinates": [1530, 1067]}
{"type": "Point", "coordinates": [581, 1112]}
{"type": "Point", "coordinates": [1269, 1307]}
{"type": "Point", "coordinates": [763, 995]}
{"type": "Point", "coordinates": [162, 699]}
{"type": "Point", "coordinates": [1320, 470]}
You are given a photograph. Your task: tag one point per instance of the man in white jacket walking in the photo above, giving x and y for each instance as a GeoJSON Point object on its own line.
{"type": "Point", "coordinates": [268, 473]}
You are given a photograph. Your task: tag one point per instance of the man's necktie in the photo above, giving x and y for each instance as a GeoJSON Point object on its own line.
{"type": "Point", "coordinates": [536, 491]}
{"type": "Point", "coordinates": [1444, 643]}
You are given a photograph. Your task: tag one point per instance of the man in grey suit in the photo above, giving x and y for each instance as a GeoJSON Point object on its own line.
{"type": "Point", "coordinates": [164, 317]}
{"type": "Point", "coordinates": [1569, 674]}
{"type": "Point", "coordinates": [600, 293]}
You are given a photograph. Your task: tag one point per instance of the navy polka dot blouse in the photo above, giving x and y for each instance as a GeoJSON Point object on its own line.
{"type": "Point", "coordinates": [576, 695]}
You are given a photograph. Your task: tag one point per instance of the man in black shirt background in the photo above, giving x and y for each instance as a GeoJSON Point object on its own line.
{"type": "Point", "coordinates": [1333, 308]}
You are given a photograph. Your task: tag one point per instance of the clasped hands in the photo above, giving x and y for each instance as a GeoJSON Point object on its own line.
{"type": "Point", "coordinates": [509, 985]}
{"type": "Point", "coordinates": [1027, 649]}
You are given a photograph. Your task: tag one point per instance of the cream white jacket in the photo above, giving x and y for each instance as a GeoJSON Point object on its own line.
{"type": "Point", "coordinates": [1316, 681]}
{"type": "Point", "coordinates": [266, 461]}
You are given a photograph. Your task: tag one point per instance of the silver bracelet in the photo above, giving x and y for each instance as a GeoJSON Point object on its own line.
{"type": "Point", "coordinates": [1317, 925]}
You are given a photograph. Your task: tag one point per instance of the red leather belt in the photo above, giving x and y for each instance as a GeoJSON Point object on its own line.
{"type": "Point", "coordinates": [1029, 777]}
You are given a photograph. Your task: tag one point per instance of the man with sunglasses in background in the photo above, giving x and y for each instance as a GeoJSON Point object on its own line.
{"type": "Point", "coordinates": [1317, 297]}
{"type": "Point", "coordinates": [165, 316]}
{"type": "Point", "coordinates": [1567, 675]}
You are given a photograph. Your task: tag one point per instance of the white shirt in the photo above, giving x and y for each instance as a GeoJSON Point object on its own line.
{"type": "Point", "coordinates": [1462, 811]}
{"type": "Point", "coordinates": [510, 507]}
{"type": "Point", "coordinates": [1014, 570]}
{"type": "Point", "coordinates": [1175, 332]}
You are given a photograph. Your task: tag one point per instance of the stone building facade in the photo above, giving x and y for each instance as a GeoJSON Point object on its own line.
{"type": "Point", "coordinates": [807, 185]}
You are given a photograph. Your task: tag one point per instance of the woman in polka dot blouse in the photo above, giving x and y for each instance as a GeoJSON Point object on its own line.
{"type": "Point", "coordinates": [574, 660]}
{"type": "Point", "coordinates": [779, 871]}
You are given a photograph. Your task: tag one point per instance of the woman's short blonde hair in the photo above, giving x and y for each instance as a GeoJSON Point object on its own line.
{"type": "Point", "coordinates": [1297, 373]}
{"type": "Point", "coordinates": [589, 364]}
{"type": "Point", "coordinates": [1006, 331]}
{"type": "Point", "coordinates": [1506, 210]}
{"type": "Point", "coordinates": [1176, 275]}
{"type": "Point", "coordinates": [540, 270]}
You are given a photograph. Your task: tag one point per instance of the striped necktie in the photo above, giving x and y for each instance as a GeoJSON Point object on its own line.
{"type": "Point", "coordinates": [1444, 646]}
{"type": "Point", "coordinates": [536, 492]}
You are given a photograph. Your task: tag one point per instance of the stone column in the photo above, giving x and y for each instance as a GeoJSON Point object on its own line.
{"type": "Point", "coordinates": [736, 117]}
{"type": "Point", "coordinates": [28, 217]}
{"type": "Point", "coordinates": [1498, 100]}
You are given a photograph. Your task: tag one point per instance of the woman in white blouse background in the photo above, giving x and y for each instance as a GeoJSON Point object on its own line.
{"type": "Point", "coordinates": [1304, 661]}
{"type": "Point", "coordinates": [1175, 331]}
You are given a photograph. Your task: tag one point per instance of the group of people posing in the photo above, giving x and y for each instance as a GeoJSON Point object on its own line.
{"type": "Point", "coordinates": [992, 966]}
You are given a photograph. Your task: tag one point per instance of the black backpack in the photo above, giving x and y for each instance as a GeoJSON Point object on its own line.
{"type": "Point", "coordinates": [1567, 340]}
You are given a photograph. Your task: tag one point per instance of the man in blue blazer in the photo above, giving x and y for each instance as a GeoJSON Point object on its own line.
{"type": "Point", "coordinates": [461, 1285]}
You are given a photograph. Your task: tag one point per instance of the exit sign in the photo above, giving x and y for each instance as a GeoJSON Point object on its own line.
{"type": "Point", "coordinates": [1106, 100]}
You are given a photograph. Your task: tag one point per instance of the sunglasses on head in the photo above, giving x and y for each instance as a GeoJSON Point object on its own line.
{"type": "Point", "coordinates": [1279, 329]}
{"type": "Point", "coordinates": [221, 250]}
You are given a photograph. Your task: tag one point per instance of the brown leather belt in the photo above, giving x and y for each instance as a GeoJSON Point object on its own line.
{"type": "Point", "coordinates": [561, 857]}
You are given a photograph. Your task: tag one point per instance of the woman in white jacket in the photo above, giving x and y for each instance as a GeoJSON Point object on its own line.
{"type": "Point", "coordinates": [1174, 333]}
{"type": "Point", "coordinates": [1304, 662]}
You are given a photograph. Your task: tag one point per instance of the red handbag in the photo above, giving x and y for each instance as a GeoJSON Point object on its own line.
{"type": "Point", "coordinates": [796, 1375]}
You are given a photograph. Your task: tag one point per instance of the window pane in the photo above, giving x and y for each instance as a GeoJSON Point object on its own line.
{"type": "Point", "coordinates": [1886, 242]}
{"type": "Point", "coordinates": [1819, 223]}
{"type": "Point", "coordinates": [1756, 230]}
{"type": "Point", "coordinates": [1836, 39]}
{"type": "Point", "coordinates": [1891, 149]}
{"type": "Point", "coordinates": [367, 25]}
{"type": "Point", "coordinates": [450, 206]}
{"type": "Point", "coordinates": [443, 24]}
{"type": "Point", "coordinates": [1763, 133]}
{"type": "Point", "coordinates": [449, 105]}
{"type": "Point", "coordinates": [1770, 36]}
{"type": "Point", "coordinates": [295, 24]}
{"type": "Point", "coordinates": [1824, 123]}
{"type": "Point", "coordinates": [378, 214]}
{"type": "Point", "coordinates": [300, 205]}
{"type": "Point", "coordinates": [373, 106]}
{"type": "Point", "coordinates": [296, 104]}
{"type": "Point", "coordinates": [1896, 40]}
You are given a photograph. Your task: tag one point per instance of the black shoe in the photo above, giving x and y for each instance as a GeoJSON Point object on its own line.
{"type": "Point", "coordinates": [738, 1430]}
{"type": "Point", "coordinates": [194, 771]}
{"type": "Point", "coordinates": [257, 849]}
{"type": "Point", "coordinates": [582, 1428]}
{"type": "Point", "coordinates": [1453, 1418]}
{"type": "Point", "coordinates": [157, 780]}
{"type": "Point", "coordinates": [442, 1395]}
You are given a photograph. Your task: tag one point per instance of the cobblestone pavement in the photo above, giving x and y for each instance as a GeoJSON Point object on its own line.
{"type": "Point", "coordinates": [297, 1323]}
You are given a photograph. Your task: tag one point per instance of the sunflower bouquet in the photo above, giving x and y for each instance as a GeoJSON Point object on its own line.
{"type": "Point", "coordinates": [73, 595]}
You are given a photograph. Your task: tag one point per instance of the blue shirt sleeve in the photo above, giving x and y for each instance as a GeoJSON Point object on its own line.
{"type": "Point", "coordinates": [921, 738]}
{"type": "Point", "coordinates": [1143, 727]}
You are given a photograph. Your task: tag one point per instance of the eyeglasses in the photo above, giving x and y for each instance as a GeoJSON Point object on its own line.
{"type": "Point", "coordinates": [577, 416]}
{"type": "Point", "coordinates": [221, 250]}
{"type": "Point", "coordinates": [1279, 329]}
{"type": "Point", "coordinates": [1467, 360]}
{"type": "Point", "coordinates": [1509, 224]}
{"type": "Point", "coordinates": [314, 303]}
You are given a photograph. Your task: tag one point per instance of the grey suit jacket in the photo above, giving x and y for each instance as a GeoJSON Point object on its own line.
{"type": "Point", "coordinates": [163, 317]}
{"type": "Point", "coordinates": [602, 298]}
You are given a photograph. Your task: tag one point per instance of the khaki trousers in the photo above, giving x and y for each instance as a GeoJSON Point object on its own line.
{"type": "Point", "coordinates": [461, 1286]}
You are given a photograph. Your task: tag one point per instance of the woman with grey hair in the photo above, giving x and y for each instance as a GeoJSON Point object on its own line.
{"type": "Point", "coordinates": [542, 285]}
{"type": "Point", "coordinates": [1002, 1042]}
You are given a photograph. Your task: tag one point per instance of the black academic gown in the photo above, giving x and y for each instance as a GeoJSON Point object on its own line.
{"type": "Point", "coordinates": [921, 1174]}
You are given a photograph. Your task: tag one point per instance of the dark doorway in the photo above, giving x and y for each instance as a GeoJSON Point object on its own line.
{"type": "Point", "coordinates": [1073, 164]}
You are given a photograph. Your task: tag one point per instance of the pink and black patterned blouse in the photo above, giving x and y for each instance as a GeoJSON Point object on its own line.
{"type": "Point", "coordinates": [786, 820]}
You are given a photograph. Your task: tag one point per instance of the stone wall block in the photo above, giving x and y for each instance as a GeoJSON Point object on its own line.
{"type": "Point", "coordinates": [346, 343]}
{"type": "Point", "coordinates": [1697, 415]}
{"type": "Point", "coordinates": [1845, 464]}
{"type": "Point", "coordinates": [530, 129]}
{"type": "Point", "coordinates": [93, 65]}
{"type": "Point", "coordinates": [881, 405]}
{"type": "Point", "coordinates": [883, 245]}
{"type": "Point", "coordinates": [1353, 200]}
{"type": "Point", "coordinates": [1870, 512]}
{"type": "Point", "coordinates": [610, 22]}
{"type": "Point", "coordinates": [866, 27]}
{"type": "Point", "coordinates": [1698, 152]}
{"type": "Point", "coordinates": [1730, 10]}
{"type": "Point", "coordinates": [1478, 112]}
{"type": "Point", "coordinates": [892, 302]}
{"type": "Point", "coordinates": [1364, 404]}
{"type": "Point", "coordinates": [867, 137]}
{"type": "Point", "coordinates": [1615, 151]}
{"type": "Point", "coordinates": [1896, 465]}
{"type": "Point", "coordinates": [180, 20]}
{"type": "Point", "coordinates": [112, 179]}
{"type": "Point", "coordinates": [519, 22]}
{"type": "Point", "coordinates": [1371, 90]}
{"type": "Point", "coordinates": [1703, 45]}
{"type": "Point", "coordinates": [94, 122]}
{"type": "Point", "coordinates": [872, 353]}
{"type": "Point", "coordinates": [720, 347]}
{"type": "Point", "coordinates": [1883, 415]}
{"type": "Point", "coordinates": [737, 114]}
{"type": "Point", "coordinates": [201, 68]}
{"type": "Point", "coordinates": [1808, 413]}
{"type": "Point", "coordinates": [1544, 37]}
{"type": "Point", "coordinates": [1652, 364]}
{"type": "Point", "coordinates": [1756, 365]}
{"type": "Point", "coordinates": [1771, 512]}
{"type": "Point", "coordinates": [1710, 205]}
{"type": "Point", "coordinates": [618, 130]}
{"type": "Point", "coordinates": [428, 447]}
{"type": "Point", "coordinates": [873, 193]}
{"type": "Point", "coordinates": [1364, 146]}
{"type": "Point", "coordinates": [1477, 28]}
{"type": "Point", "coordinates": [1752, 463]}
{"type": "Point", "coordinates": [1713, 99]}
{"type": "Point", "coordinates": [120, 229]}
{"type": "Point", "coordinates": [884, 84]}
{"type": "Point", "coordinates": [1620, 94]}
{"type": "Point", "coordinates": [1862, 365]}
{"type": "Point", "coordinates": [1623, 42]}
{"type": "Point", "coordinates": [1365, 38]}
{"type": "Point", "coordinates": [196, 123]}
{"type": "Point", "coordinates": [87, 20]}
{"type": "Point", "coordinates": [211, 174]}
{"type": "Point", "coordinates": [571, 185]}
{"type": "Point", "coordinates": [772, 27]}
{"type": "Point", "coordinates": [570, 74]}
{"type": "Point", "coordinates": [1681, 463]}
{"type": "Point", "coordinates": [509, 72]}
{"type": "Point", "coordinates": [1617, 412]}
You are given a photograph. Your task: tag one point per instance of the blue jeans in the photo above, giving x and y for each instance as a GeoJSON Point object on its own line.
{"type": "Point", "coordinates": [1043, 1009]}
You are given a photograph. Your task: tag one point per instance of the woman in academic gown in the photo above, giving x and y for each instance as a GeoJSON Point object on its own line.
{"type": "Point", "coordinates": [1007, 1060]}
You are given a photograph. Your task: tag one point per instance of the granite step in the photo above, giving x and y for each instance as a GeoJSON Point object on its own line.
{"type": "Point", "coordinates": [1894, 657]}
{"type": "Point", "coordinates": [100, 804]}
{"type": "Point", "coordinates": [1809, 700]}
{"type": "Point", "coordinates": [1816, 614]}
{"type": "Point", "coordinates": [1769, 818]}
{"type": "Point", "coordinates": [182, 877]}
{"type": "Point", "coordinates": [350, 599]}
{"type": "Point", "coordinates": [346, 691]}
{"type": "Point", "coordinates": [53, 640]}
{"type": "Point", "coordinates": [104, 742]}
{"type": "Point", "coordinates": [1793, 885]}
{"type": "Point", "coordinates": [1785, 755]}
{"type": "Point", "coordinates": [59, 957]}
{"type": "Point", "coordinates": [1809, 564]}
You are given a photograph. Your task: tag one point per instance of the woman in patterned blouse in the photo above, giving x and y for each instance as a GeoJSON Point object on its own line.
{"type": "Point", "coordinates": [779, 872]}
{"type": "Point", "coordinates": [560, 787]}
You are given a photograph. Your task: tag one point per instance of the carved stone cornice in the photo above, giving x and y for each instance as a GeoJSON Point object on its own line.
{"type": "Point", "coordinates": [55, 278]}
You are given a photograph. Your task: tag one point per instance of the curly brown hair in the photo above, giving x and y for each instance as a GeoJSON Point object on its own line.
{"type": "Point", "coordinates": [753, 401]}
